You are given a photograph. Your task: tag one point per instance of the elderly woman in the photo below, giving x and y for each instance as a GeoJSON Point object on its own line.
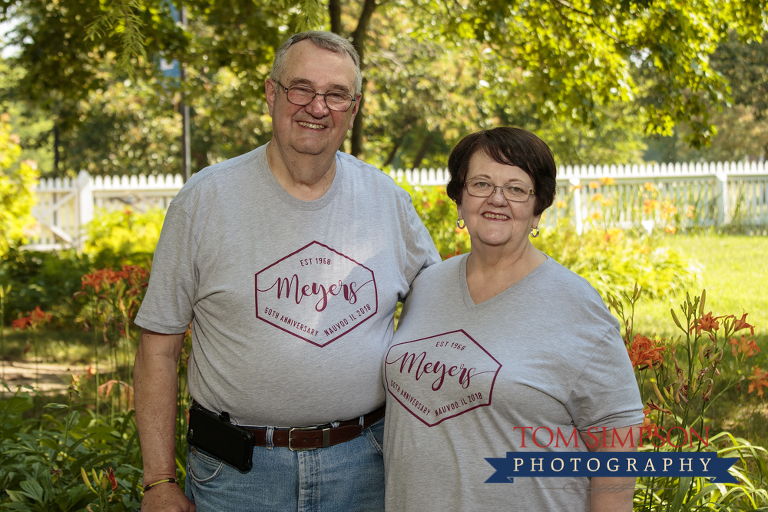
{"type": "Point", "coordinates": [503, 350]}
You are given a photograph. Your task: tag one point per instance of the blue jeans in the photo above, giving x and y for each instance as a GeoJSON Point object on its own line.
{"type": "Point", "coordinates": [344, 477]}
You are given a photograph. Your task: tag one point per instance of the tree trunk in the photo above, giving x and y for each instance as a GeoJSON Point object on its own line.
{"type": "Point", "coordinates": [422, 151]}
{"type": "Point", "coordinates": [358, 41]}
{"type": "Point", "coordinates": [334, 10]}
{"type": "Point", "coordinates": [397, 144]}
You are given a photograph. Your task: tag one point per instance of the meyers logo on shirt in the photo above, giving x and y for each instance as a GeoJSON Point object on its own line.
{"type": "Point", "coordinates": [316, 294]}
{"type": "Point", "coordinates": [440, 377]}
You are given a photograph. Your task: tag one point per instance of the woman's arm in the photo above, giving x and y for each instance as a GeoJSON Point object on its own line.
{"type": "Point", "coordinates": [612, 494]}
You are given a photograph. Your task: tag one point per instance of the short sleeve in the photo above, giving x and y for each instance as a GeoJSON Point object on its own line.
{"type": "Point", "coordinates": [421, 251]}
{"type": "Point", "coordinates": [606, 392]}
{"type": "Point", "coordinates": [167, 306]}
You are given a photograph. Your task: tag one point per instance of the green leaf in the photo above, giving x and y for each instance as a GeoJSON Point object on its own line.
{"type": "Point", "coordinates": [55, 406]}
{"type": "Point", "coordinates": [33, 489]}
{"type": "Point", "coordinates": [16, 496]}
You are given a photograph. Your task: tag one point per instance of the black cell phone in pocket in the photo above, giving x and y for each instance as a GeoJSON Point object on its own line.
{"type": "Point", "coordinates": [215, 434]}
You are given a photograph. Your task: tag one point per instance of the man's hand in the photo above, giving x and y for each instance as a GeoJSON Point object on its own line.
{"type": "Point", "coordinates": [166, 498]}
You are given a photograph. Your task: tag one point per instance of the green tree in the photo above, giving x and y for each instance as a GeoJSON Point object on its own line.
{"type": "Point", "coordinates": [62, 67]}
{"type": "Point", "coordinates": [741, 124]}
{"type": "Point", "coordinates": [130, 127]}
{"type": "Point", "coordinates": [16, 182]}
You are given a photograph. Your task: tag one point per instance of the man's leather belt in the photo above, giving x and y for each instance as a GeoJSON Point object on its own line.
{"type": "Point", "coordinates": [309, 438]}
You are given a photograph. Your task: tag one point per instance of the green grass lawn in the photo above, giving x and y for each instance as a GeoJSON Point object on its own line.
{"type": "Point", "coordinates": [734, 273]}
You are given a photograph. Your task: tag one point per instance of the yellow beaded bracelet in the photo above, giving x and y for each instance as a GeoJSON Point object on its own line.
{"type": "Point", "coordinates": [166, 480]}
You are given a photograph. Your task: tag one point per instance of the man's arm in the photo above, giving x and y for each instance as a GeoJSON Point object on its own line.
{"type": "Point", "coordinates": [156, 389]}
{"type": "Point", "coordinates": [612, 494]}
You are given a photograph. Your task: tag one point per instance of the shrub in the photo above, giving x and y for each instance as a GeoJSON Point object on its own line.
{"type": "Point", "coordinates": [613, 260]}
{"type": "Point", "coordinates": [45, 279]}
{"type": "Point", "coordinates": [123, 237]}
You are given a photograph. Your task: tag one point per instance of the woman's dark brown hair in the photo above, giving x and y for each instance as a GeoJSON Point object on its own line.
{"type": "Point", "coordinates": [508, 146]}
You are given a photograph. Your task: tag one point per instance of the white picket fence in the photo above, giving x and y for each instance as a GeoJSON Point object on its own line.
{"type": "Point", "coordinates": [64, 206]}
{"type": "Point", "coordinates": [700, 194]}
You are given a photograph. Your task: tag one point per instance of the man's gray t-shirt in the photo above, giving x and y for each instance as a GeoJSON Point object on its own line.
{"type": "Point", "coordinates": [291, 302]}
{"type": "Point", "coordinates": [466, 381]}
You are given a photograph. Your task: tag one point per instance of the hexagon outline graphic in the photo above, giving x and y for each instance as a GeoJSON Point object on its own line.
{"type": "Point", "coordinates": [340, 334]}
{"type": "Point", "coordinates": [472, 340]}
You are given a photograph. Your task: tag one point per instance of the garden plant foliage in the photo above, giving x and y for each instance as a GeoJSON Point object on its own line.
{"type": "Point", "coordinates": [44, 457]}
{"type": "Point", "coordinates": [680, 379]}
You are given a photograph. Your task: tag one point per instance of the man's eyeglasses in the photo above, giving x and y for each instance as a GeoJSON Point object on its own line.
{"type": "Point", "coordinates": [302, 95]}
{"type": "Point", "coordinates": [515, 192]}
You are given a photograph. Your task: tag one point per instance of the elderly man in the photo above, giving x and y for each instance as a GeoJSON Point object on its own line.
{"type": "Point", "coordinates": [288, 262]}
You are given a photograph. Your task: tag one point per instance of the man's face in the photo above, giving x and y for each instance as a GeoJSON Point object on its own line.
{"type": "Point", "coordinates": [314, 129]}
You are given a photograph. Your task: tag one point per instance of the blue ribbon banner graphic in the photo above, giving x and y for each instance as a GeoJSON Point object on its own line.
{"type": "Point", "coordinates": [615, 464]}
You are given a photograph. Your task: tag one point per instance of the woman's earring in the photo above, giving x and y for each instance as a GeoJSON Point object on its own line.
{"type": "Point", "coordinates": [459, 224]}
{"type": "Point", "coordinates": [535, 232]}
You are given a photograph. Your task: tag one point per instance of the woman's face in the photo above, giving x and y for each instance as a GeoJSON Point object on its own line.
{"type": "Point", "coordinates": [494, 221]}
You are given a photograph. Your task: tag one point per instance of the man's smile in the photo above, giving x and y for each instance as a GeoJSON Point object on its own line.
{"type": "Point", "coordinates": [311, 125]}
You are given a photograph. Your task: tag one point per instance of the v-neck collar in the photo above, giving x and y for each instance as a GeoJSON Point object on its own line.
{"type": "Point", "coordinates": [464, 287]}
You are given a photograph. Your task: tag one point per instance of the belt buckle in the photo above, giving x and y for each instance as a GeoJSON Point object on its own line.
{"type": "Point", "coordinates": [290, 439]}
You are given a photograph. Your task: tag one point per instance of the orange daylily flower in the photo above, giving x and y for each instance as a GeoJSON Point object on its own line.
{"type": "Point", "coordinates": [653, 407]}
{"type": "Point", "coordinates": [134, 274]}
{"type": "Point", "coordinates": [671, 230]}
{"type": "Point", "coordinates": [645, 353]}
{"type": "Point", "coordinates": [745, 345]}
{"type": "Point", "coordinates": [647, 421]}
{"type": "Point", "coordinates": [707, 323]}
{"type": "Point", "coordinates": [601, 199]}
{"type": "Point", "coordinates": [22, 323]}
{"type": "Point", "coordinates": [759, 381]}
{"type": "Point", "coordinates": [607, 180]}
{"type": "Point", "coordinates": [668, 209]}
{"type": "Point", "coordinates": [741, 323]}
{"type": "Point", "coordinates": [594, 185]}
{"type": "Point", "coordinates": [35, 317]}
{"type": "Point", "coordinates": [111, 478]}
{"type": "Point", "coordinates": [38, 315]}
{"type": "Point", "coordinates": [93, 280]}
{"type": "Point", "coordinates": [650, 205]}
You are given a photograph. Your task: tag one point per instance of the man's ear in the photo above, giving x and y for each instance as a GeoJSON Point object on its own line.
{"type": "Point", "coordinates": [269, 89]}
{"type": "Point", "coordinates": [355, 108]}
